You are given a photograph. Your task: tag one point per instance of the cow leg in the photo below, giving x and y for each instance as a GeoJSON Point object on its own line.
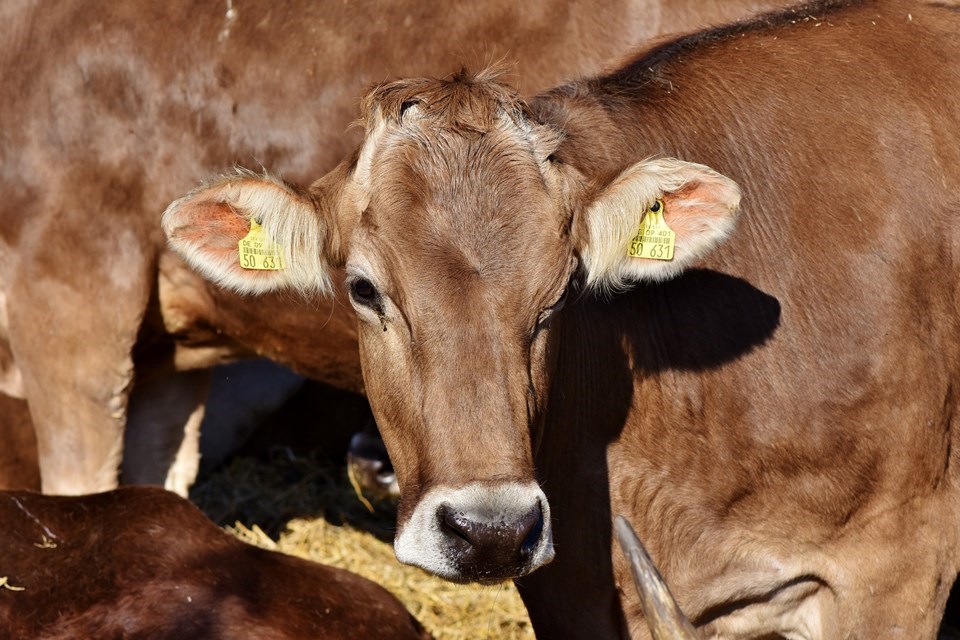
{"type": "Point", "coordinates": [186, 463]}
{"type": "Point", "coordinates": [18, 443]}
{"type": "Point", "coordinates": [162, 440]}
{"type": "Point", "coordinates": [18, 447]}
{"type": "Point", "coordinates": [77, 294]}
{"type": "Point", "coordinates": [369, 466]}
{"type": "Point", "coordinates": [77, 403]}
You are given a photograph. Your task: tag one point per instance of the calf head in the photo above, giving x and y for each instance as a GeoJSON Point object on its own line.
{"type": "Point", "coordinates": [459, 234]}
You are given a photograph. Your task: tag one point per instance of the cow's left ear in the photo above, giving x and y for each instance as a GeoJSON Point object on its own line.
{"type": "Point", "coordinates": [253, 234]}
{"type": "Point", "coordinates": [629, 225]}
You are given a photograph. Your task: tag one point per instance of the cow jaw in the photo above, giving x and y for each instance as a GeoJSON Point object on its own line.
{"type": "Point", "coordinates": [478, 532]}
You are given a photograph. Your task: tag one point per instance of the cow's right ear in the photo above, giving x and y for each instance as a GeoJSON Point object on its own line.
{"type": "Point", "coordinates": [253, 234]}
{"type": "Point", "coordinates": [654, 220]}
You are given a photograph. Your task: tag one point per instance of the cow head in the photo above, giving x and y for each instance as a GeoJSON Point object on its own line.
{"type": "Point", "coordinates": [459, 235]}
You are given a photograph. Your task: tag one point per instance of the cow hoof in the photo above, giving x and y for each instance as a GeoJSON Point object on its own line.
{"type": "Point", "coordinates": [370, 470]}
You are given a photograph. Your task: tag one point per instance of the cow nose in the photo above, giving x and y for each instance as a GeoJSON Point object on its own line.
{"type": "Point", "coordinates": [478, 532]}
{"type": "Point", "coordinates": [491, 550]}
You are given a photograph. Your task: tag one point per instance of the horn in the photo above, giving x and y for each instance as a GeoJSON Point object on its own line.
{"type": "Point", "coordinates": [663, 614]}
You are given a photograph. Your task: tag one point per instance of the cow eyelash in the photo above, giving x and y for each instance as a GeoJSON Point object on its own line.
{"type": "Point", "coordinates": [562, 300]}
{"type": "Point", "coordinates": [544, 319]}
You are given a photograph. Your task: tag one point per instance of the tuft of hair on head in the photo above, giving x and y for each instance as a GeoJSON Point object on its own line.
{"type": "Point", "coordinates": [464, 102]}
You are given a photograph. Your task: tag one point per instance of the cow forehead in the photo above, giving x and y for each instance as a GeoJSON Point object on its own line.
{"type": "Point", "coordinates": [466, 213]}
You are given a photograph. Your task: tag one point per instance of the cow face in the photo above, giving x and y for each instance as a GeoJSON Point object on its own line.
{"type": "Point", "coordinates": [459, 236]}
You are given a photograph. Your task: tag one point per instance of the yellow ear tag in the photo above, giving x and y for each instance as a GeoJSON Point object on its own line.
{"type": "Point", "coordinates": [259, 253]}
{"type": "Point", "coordinates": [654, 240]}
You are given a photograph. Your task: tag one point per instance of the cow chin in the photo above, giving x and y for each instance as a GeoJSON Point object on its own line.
{"type": "Point", "coordinates": [479, 532]}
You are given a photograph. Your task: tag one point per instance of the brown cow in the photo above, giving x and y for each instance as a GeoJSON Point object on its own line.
{"type": "Point", "coordinates": [141, 562]}
{"type": "Point", "coordinates": [777, 422]}
{"type": "Point", "coordinates": [111, 109]}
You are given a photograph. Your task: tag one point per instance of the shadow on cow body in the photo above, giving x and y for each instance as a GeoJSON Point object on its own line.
{"type": "Point", "coordinates": [697, 323]}
{"type": "Point", "coordinates": [142, 562]}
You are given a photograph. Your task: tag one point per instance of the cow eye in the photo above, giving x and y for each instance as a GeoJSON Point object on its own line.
{"type": "Point", "coordinates": [363, 292]}
{"type": "Point", "coordinates": [556, 306]}
{"type": "Point", "coordinates": [544, 319]}
{"type": "Point", "coordinates": [572, 285]}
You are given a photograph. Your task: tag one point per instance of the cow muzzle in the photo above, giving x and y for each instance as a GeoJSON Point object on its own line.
{"type": "Point", "coordinates": [480, 532]}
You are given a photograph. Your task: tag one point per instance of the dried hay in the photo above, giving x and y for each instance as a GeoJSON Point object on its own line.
{"type": "Point", "coordinates": [306, 507]}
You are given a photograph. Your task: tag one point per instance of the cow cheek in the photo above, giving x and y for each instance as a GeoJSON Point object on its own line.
{"type": "Point", "coordinates": [390, 390]}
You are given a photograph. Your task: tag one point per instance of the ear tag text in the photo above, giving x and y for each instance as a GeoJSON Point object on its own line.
{"type": "Point", "coordinates": [655, 240]}
{"type": "Point", "coordinates": [259, 253]}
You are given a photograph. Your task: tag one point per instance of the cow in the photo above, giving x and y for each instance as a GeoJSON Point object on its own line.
{"type": "Point", "coordinates": [141, 562]}
{"type": "Point", "coordinates": [551, 331]}
{"type": "Point", "coordinates": [111, 110]}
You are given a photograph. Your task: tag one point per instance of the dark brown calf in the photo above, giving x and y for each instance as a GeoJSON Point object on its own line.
{"type": "Point", "coordinates": [109, 110]}
{"type": "Point", "coordinates": [776, 415]}
{"type": "Point", "coordinates": [141, 562]}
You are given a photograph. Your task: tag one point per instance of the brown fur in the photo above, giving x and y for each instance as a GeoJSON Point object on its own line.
{"type": "Point", "coordinates": [110, 110]}
{"type": "Point", "coordinates": [771, 456]}
{"type": "Point", "coordinates": [777, 423]}
{"type": "Point", "coordinates": [142, 563]}
{"type": "Point", "coordinates": [18, 446]}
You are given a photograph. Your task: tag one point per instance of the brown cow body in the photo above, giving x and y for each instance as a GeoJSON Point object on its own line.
{"type": "Point", "coordinates": [777, 422]}
{"type": "Point", "coordinates": [110, 110]}
{"type": "Point", "coordinates": [790, 449]}
{"type": "Point", "coordinates": [141, 562]}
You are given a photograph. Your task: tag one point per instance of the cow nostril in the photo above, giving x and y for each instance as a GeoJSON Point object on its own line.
{"type": "Point", "coordinates": [452, 522]}
{"type": "Point", "coordinates": [501, 541]}
{"type": "Point", "coordinates": [532, 526]}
